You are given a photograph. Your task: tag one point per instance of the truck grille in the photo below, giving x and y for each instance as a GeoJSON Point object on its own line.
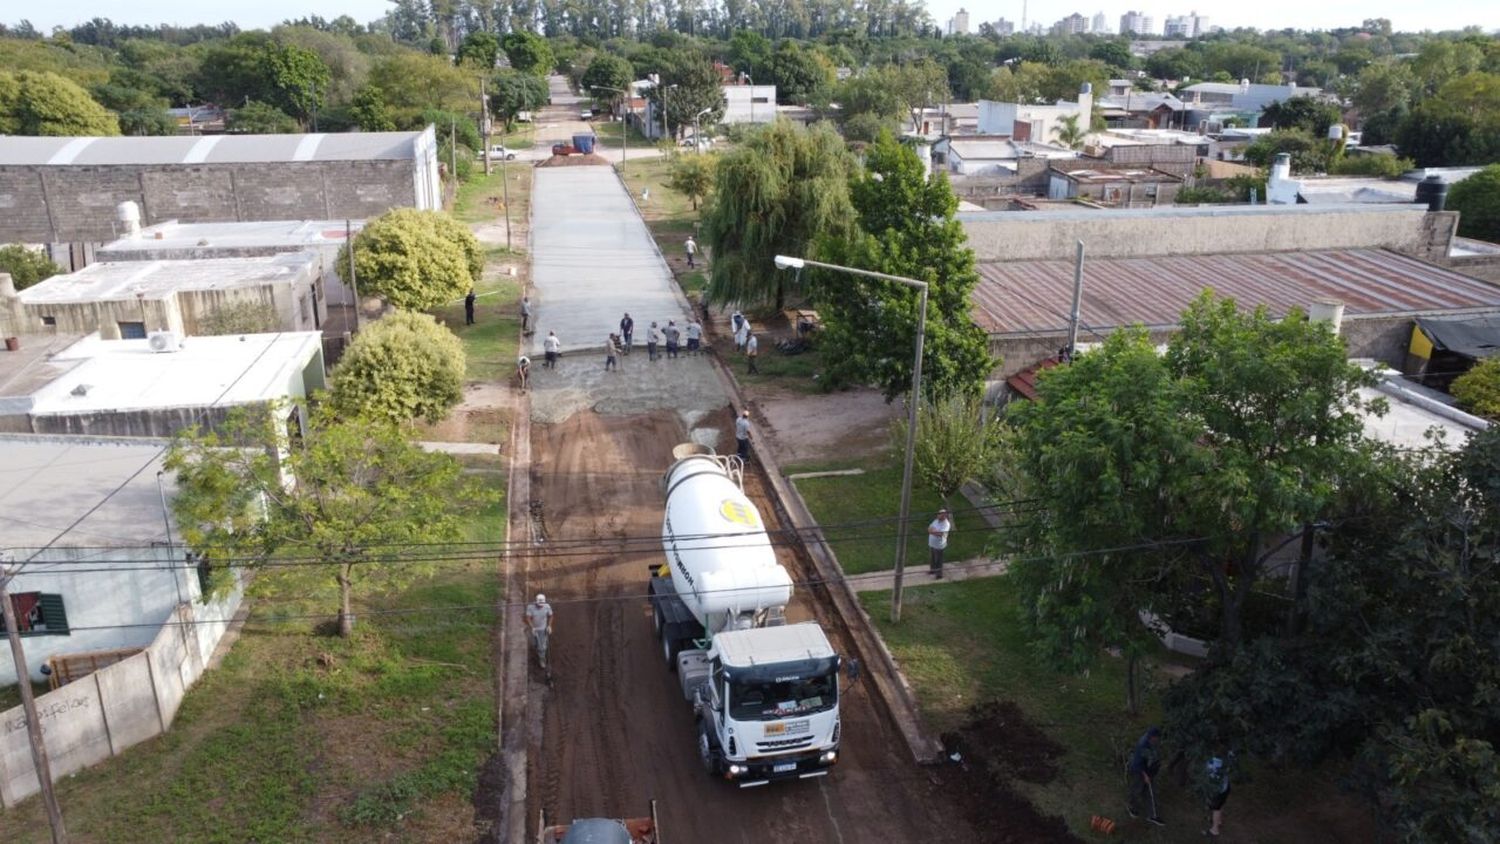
{"type": "Point", "coordinates": [784, 744]}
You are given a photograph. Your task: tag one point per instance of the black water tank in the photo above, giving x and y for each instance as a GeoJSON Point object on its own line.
{"type": "Point", "coordinates": [1433, 192]}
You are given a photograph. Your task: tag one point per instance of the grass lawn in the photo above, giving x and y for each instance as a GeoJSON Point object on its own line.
{"type": "Point", "coordinates": [877, 495]}
{"type": "Point", "coordinates": [962, 643]}
{"type": "Point", "coordinates": [491, 342]}
{"type": "Point", "coordinates": [609, 132]}
{"type": "Point", "coordinates": [306, 737]}
{"type": "Point", "coordinates": [482, 198]}
{"type": "Point", "coordinates": [521, 137]}
{"type": "Point", "coordinates": [665, 203]}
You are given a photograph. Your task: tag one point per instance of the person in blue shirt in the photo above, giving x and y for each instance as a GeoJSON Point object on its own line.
{"type": "Point", "coordinates": [1145, 761]}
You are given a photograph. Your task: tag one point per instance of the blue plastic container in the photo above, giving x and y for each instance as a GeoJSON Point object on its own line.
{"type": "Point", "coordinates": [584, 143]}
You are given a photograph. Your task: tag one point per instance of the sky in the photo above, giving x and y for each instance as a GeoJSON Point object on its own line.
{"type": "Point", "coordinates": [1264, 14]}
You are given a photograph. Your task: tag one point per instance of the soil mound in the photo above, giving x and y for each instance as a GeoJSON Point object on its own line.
{"type": "Point", "coordinates": [573, 161]}
{"type": "Point", "coordinates": [999, 745]}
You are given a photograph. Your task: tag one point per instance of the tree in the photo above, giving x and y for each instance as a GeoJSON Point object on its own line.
{"type": "Point", "coordinates": [139, 111]}
{"type": "Point", "coordinates": [689, 85]}
{"type": "Point", "coordinates": [26, 266]}
{"type": "Point", "coordinates": [297, 79]}
{"type": "Point", "coordinates": [607, 76]}
{"type": "Point", "coordinates": [955, 443]}
{"type": "Point", "coordinates": [1478, 390]}
{"type": "Point", "coordinates": [1309, 154]}
{"type": "Point", "coordinates": [44, 103]}
{"type": "Point", "coordinates": [515, 92]}
{"type": "Point", "coordinates": [749, 52]}
{"type": "Point", "coordinates": [1457, 126]}
{"type": "Point", "coordinates": [257, 118]}
{"type": "Point", "coordinates": [403, 367]}
{"type": "Point", "coordinates": [528, 52]}
{"type": "Point", "coordinates": [360, 493]}
{"type": "Point", "coordinates": [415, 259]}
{"type": "Point", "coordinates": [1069, 133]}
{"type": "Point", "coordinates": [1305, 113]}
{"type": "Point", "coordinates": [776, 193]}
{"type": "Point", "coordinates": [1114, 52]}
{"type": "Point", "coordinates": [370, 112]}
{"type": "Point", "coordinates": [800, 75]}
{"type": "Point", "coordinates": [479, 49]}
{"type": "Point", "coordinates": [1477, 199]}
{"type": "Point", "coordinates": [904, 226]}
{"type": "Point", "coordinates": [693, 175]}
{"type": "Point", "coordinates": [1103, 446]}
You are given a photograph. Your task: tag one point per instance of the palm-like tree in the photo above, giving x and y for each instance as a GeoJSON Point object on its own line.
{"type": "Point", "coordinates": [1069, 133]}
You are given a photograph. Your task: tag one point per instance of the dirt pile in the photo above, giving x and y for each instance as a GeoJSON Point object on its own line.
{"type": "Point", "coordinates": [573, 161]}
{"type": "Point", "coordinates": [999, 745]}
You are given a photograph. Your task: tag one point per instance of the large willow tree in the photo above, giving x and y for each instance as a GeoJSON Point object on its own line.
{"type": "Point", "coordinates": [779, 193]}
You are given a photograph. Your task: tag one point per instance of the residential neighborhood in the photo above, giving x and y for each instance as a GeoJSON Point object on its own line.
{"type": "Point", "coordinates": [814, 422]}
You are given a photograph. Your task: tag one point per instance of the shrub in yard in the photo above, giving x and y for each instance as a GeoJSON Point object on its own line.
{"type": "Point", "coordinates": [405, 366]}
{"type": "Point", "coordinates": [415, 259]}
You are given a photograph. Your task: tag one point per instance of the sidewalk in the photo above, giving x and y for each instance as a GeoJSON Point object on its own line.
{"type": "Point", "coordinates": [916, 575]}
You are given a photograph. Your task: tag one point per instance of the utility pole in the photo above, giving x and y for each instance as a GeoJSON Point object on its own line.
{"type": "Point", "coordinates": [453, 155]}
{"type": "Point", "coordinates": [1077, 304]}
{"type": "Point", "coordinates": [353, 284]}
{"type": "Point", "coordinates": [28, 703]}
{"type": "Point", "coordinates": [484, 124]}
{"type": "Point", "coordinates": [505, 197]}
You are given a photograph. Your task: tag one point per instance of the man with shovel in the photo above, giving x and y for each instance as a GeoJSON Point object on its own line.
{"type": "Point", "coordinates": [1145, 761]}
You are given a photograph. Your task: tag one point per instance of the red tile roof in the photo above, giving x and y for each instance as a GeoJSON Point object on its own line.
{"type": "Point", "coordinates": [1032, 296]}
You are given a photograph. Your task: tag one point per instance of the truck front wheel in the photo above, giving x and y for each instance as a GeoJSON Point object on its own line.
{"type": "Point", "coordinates": [669, 649]}
{"type": "Point", "coordinates": [708, 750]}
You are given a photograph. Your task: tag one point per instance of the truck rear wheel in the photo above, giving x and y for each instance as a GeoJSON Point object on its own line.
{"type": "Point", "coordinates": [708, 750]}
{"type": "Point", "coordinates": [669, 649]}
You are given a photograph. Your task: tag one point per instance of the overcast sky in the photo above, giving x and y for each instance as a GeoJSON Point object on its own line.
{"type": "Point", "coordinates": [1264, 14]}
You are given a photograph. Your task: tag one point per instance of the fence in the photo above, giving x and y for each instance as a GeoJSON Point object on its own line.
{"type": "Point", "coordinates": [102, 714]}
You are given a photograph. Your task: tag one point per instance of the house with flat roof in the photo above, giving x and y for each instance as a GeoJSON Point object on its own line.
{"type": "Point", "coordinates": [124, 388]}
{"type": "Point", "coordinates": [131, 299]}
{"type": "Point", "coordinates": [66, 191]}
{"type": "Point", "coordinates": [1035, 121]}
{"type": "Point", "coordinates": [1115, 187]}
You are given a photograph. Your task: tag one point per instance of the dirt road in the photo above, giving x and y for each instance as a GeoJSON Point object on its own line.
{"type": "Point", "coordinates": [615, 729]}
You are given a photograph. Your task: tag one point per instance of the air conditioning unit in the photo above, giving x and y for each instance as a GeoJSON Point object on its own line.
{"type": "Point", "coordinates": [163, 341]}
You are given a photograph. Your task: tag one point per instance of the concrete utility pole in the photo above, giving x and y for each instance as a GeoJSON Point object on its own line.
{"type": "Point", "coordinates": [484, 124]}
{"type": "Point", "coordinates": [784, 262]}
{"type": "Point", "coordinates": [625, 133]}
{"type": "Point", "coordinates": [1077, 304]}
{"type": "Point", "coordinates": [505, 197]}
{"type": "Point", "coordinates": [28, 703]}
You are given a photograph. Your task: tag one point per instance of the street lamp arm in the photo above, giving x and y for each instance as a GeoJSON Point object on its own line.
{"type": "Point", "coordinates": [787, 262]}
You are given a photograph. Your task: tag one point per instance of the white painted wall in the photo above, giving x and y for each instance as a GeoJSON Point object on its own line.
{"type": "Point", "coordinates": [738, 106]}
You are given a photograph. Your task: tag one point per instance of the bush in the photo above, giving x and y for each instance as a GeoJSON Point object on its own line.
{"type": "Point", "coordinates": [1379, 166]}
{"type": "Point", "coordinates": [1477, 199]}
{"type": "Point", "coordinates": [1478, 390]}
{"type": "Point", "coordinates": [26, 266]}
{"type": "Point", "coordinates": [402, 367]}
{"type": "Point", "coordinates": [415, 259]}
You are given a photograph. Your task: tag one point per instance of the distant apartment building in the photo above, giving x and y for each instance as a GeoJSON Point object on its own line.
{"type": "Point", "coordinates": [1100, 24]}
{"type": "Point", "coordinates": [1138, 23]}
{"type": "Point", "coordinates": [1004, 27]}
{"type": "Point", "coordinates": [1074, 24]}
{"type": "Point", "coordinates": [1192, 25]}
{"type": "Point", "coordinates": [959, 23]}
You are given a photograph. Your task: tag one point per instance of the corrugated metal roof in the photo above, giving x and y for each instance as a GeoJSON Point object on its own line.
{"type": "Point", "coordinates": [1035, 296]}
{"type": "Point", "coordinates": [208, 149]}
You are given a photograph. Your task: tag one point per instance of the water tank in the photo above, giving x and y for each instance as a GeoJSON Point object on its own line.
{"type": "Point", "coordinates": [584, 143]}
{"type": "Point", "coordinates": [1432, 192]}
{"type": "Point", "coordinates": [716, 545]}
{"type": "Point", "coordinates": [129, 215]}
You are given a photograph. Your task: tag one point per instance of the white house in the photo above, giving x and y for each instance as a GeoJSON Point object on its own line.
{"type": "Point", "coordinates": [749, 104]}
{"type": "Point", "coordinates": [991, 155]}
{"type": "Point", "coordinates": [87, 520]}
{"type": "Point", "coordinates": [1040, 123]}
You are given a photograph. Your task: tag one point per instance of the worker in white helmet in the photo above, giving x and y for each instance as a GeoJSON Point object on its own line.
{"type": "Point", "coordinates": [538, 618]}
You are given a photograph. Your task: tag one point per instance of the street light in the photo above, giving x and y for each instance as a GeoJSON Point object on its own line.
{"type": "Point", "coordinates": [787, 262]}
{"type": "Point", "coordinates": [697, 132]}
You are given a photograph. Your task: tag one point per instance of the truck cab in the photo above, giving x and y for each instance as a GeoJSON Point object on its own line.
{"type": "Point", "coordinates": [767, 704]}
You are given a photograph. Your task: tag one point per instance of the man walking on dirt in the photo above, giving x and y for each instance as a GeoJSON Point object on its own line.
{"type": "Point", "coordinates": [752, 351]}
{"type": "Point", "coordinates": [937, 542]}
{"type": "Point", "coordinates": [611, 353]}
{"type": "Point", "coordinates": [1145, 761]}
{"type": "Point", "coordinates": [538, 618]}
{"type": "Point", "coordinates": [691, 247]}
{"type": "Point", "coordinates": [525, 314]}
{"type": "Point", "coordinates": [469, 307]}
{"type": "Point", "coordinates": [742, 434]}
{"type": "Point", "coordinates": [627, 332]}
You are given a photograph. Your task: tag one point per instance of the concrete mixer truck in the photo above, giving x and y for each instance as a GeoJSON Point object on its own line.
{"type": "Point", "coordinates": [765, 691]}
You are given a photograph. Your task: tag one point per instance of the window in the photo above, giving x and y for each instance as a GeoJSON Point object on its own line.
{"type": "Point", "coordinates": [40, 614]}
{"type": "Point", "coordinates": [760, 100]}
{"type": "Point", "coordinates": [49, 320]}
{"type": "Point", "coordinates": [132, 330]}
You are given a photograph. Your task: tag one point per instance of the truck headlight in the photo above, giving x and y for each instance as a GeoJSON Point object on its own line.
{"type": "Point", "coordinates": [829, 758]}
{"type": "Point", "coordinates": [736, 770]}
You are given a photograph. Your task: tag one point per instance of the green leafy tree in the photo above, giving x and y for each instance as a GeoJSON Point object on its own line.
{"type": "Point", "coordinates": [1458, 125]}
{"type": "Point", "coordinates": [693, 175]}
{"type": "Point", "coordinates": [528, 52]}
{"type": "Point", "coordinates": [904, 225]}
{"type": "Point", "coordinates": [776, 193]}
{"type": "Point", "coordinates": [479, 49]}
{"type": "Point", "coordinates": [515, 92]}
{"type": "Point", "coordinates": [689, 85]}
{"type": "Point", "coordinates": [1478, 390]}
{"type": "Point", "coordinates": [256, 118]}
{"type": "Point", "coordinates": [955, 443]}
{"type": "Point", "coordinates": [360, 491]}
{"type": "Point", "coordinates": [403, 367]}
{"type": "Point", "coordinates": [140, 112]}
{"type": "Point", "coordinates": [800, 75]}
{"type": "Point", "coordinates": [413, 83]}
{"type": "Point", "coordinates": [1069, 133]}
{"type": "Point", "coordinates": [1378, 166]}
{"type": "Point", "coordinates": [44, 103]}
{"type": "Point", "coordinates": [606, 76]}
{"type": "Point", "coordinates": [297, 79]}
{"type": "Point", "coordinates": [415, 259]}
{"type": "Point", "coordinates": [750, 52]}
{"type": "Point", "coordinates": [1309, 153]}
{"type": "Point", "coordinates": [1477, 199]}
{"type": "Point", "coordinates": [1114, 52]}
{"type": "Point", "coordinates": [1306, 113]}
{"type": "Point", "coordinates": [26, 266]}
{"type": "Point", "coordinates": [370, 111]}
{"type": "Point", "coordinates": [1103, 446]}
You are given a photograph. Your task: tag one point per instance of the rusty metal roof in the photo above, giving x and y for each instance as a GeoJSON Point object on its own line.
{"type": "Point", "coordinates": [1035, 296]}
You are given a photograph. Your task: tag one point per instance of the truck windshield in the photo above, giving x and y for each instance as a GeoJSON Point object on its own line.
{"type": "Point", "coordinates": [763, 701]}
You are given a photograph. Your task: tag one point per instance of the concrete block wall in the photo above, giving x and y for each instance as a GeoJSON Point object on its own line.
{"type": "Point", "coordinates": [115, 708]}
{"type": "Point", "coordinates": [42, 204]}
